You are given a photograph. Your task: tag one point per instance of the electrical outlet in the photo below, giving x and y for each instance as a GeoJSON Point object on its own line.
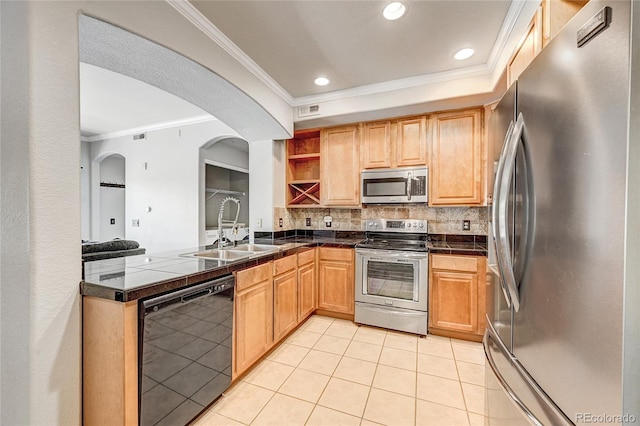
{"type": "Point", "coordinates": [466, 225]}
{"type": "Point", "coordinates": [259, 223]}
{"type": "Point", "coordinates": [280, 222]}
{"type": "Point", "coordinates": [308, 221]}
{"type": "Point", "coordinates": [135, 223]}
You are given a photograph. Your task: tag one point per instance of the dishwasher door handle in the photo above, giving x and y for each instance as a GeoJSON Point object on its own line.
{"type": "Point", "coordinates": [196, 295]}
{"type": "Point", "coordinates": [187, 295]}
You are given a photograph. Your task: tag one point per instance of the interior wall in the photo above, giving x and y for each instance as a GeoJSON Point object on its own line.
{"type": "Point", "coordinates": [261, 170]}
{"type": "Point", "coordinates": [16, 368]}
{"type": "Point", "coordinates": [163, 189]}
{"type": "Point", "coordinates": [112, 200]}
{"type": "Point", "coordinates": [41, 349]}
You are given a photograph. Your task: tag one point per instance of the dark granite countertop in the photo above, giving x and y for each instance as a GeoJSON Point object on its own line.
{"type": "Point", "coordinates": [475, 245]}
{"type": "Point", "coordinates": [135, 277]}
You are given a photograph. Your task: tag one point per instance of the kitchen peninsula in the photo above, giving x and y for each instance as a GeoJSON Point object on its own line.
{"type": "Point", "coordinates": [275, 292]}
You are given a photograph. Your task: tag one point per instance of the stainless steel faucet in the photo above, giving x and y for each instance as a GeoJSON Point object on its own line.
{"type": "Point", "coordinates": [220, 213]}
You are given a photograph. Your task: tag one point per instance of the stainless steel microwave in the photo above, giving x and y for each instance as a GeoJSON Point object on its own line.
{"type": "Point", "coordinates": [392, 186]}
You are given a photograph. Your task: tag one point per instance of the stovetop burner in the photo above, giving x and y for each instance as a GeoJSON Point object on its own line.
{"type": "Point", "coordinates": [404, 234]}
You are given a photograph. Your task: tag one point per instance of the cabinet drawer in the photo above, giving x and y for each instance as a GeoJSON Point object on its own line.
{"type": "Point", "coordinates": [252, 276]}
{"type": "Point", "coordinates": [283, 265]}
{"type": "Point", "coordinates": [306, 257]}
{"type": "Point", "coordinates": [328, 253]}
{"type": "Point", "coordinates": [454, 263]}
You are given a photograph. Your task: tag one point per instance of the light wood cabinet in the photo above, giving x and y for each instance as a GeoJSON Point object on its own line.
{"type": "Point", "coordinates": [253, 316]}
{"type": "Point", "coordinates": [109, 361]}
{"type": "Point", "coordinates": [285, 296]}
{"type": "Point", "coordinates": [551, 17]}
{"type": "Point", "coordinates": [303, 169]}
{"type": "Point", "coordinates": [556, 14]}
{"type": "Point", "coordinates": [395, 144]}
{"type": "Point", "coordinates": [340, 166]}
{"type": "Point", "coordinates": [528, 49]}
{"type": "Point", "coordinates": [456, 170]}
{"type": "Point", "coordinates": [457, 296]}
{"type": "Point", "coordinates": [336, 280]}
{"type": "Point", "coordinates": [307, 288]}
{"type": "Point", "coordinates": [376, 145]}
{"type": "Point", "coordinates": [411, 142]}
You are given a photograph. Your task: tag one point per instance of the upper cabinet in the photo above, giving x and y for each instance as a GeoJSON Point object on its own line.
{"type": "Point", "coordinates": [389, 144]}
{"type": "Point", "coordinates": [551, 17]}
{"type": "Point", "coordinates": [376, 145]}
{"type": "Point", "coordinates": [456, 172]}
{"type": "Point", "coordinates": [411, 142]}
{"type": "Point", "coordinates": [340, 172]}
{"type": "Point", "coordinates": [528, 49]}
{"type": "Point", "coordinates": [303, 169]}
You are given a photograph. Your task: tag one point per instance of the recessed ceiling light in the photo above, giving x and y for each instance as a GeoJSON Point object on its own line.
{"type": "Point", "coordinates": [394, 10]}
{"type": "Point", "coordinates": [464, 54]}
{"type": "Point", "coordinates": [321, 81]}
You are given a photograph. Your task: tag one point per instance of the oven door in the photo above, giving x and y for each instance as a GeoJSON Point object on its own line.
{"type": "Point", "coordinates": [392, 278]}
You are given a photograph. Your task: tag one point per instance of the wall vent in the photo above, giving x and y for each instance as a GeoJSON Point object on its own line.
{"type": "Point", "coordinates": [139, 136]}
{"type": "Point", "coordinates": [308, 110]}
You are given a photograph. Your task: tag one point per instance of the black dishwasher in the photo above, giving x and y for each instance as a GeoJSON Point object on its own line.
{"type": "Point", "coordinates": [184, 351]}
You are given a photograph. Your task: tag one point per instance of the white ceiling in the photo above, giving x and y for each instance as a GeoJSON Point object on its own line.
{"type": "Point", "coordinates": [351, 43]}
{"type": "Point", "coordinates": [289, 43]}
{"type": "Point", "coordinates": [112, 104]}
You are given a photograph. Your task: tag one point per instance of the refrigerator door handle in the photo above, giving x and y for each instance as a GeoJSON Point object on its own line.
{"type": "Point", "coordinates": [503, 249]}
{"type": "Point", "coordinates": [497, 196]}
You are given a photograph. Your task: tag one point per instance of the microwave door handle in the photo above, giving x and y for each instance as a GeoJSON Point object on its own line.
{"type": "Point", "coordinates": [409, 185]}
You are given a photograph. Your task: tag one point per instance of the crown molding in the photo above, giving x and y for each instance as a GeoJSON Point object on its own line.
{"type": "Point", "coordinates": [194, 16]}
{"type": "Point", "coordinates": [158, 126]}
{"type": "Point", "coordinates": [488, 69]}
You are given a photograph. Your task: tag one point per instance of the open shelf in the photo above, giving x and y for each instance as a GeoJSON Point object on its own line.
{"type": "Point", "coordinates": [303, 169]}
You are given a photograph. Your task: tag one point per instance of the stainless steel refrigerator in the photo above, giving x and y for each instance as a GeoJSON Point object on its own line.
{"type": "Point", "coordinates": [563, 334]}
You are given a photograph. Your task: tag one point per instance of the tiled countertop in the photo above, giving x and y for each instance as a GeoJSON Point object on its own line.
{"type": "Point", "coordinates": [134, 277]}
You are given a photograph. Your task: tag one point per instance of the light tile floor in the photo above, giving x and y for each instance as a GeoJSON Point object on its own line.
{"type": "Point", "coordinates": [332, 372]}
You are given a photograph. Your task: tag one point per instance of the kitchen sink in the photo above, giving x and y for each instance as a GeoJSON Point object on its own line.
{"type": "Point", "coordinates": [234, 253]}
{"type": "Point", "coordinates": [216, 254]}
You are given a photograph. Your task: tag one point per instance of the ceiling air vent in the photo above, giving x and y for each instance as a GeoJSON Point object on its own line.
{"type": "Point", "coordinates": [308, 110]}
{"type": "Point", "coordinates": [139, 136]}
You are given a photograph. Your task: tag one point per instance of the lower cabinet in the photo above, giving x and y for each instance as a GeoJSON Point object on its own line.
{"type": "Point", "coordinates": [273, 298]}
{"type": "Point", "coordinates": [336, 278]}
{"type": "Point", "coordinates": [285, 296]}
{"type": "Point", "coordinates": [307, 288]}
{"type": "Point", "coordinates": [457, 296]}
{"type": "Point", "coordinates": [253, 317]}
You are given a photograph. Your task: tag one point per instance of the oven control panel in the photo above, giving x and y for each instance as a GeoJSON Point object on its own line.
{"type": "Point", "coordinates": [397, 225]}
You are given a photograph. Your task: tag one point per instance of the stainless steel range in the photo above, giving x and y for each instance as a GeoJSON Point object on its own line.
{"type": "Point", "coordinates": [392, 267]}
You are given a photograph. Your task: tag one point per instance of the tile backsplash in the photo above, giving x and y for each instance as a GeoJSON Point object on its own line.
{"type": "Point", "coordinates": [442, 220]}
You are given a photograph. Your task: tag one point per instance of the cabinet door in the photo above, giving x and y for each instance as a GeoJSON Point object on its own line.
{"type": "Point", "coordinates": [376, 145]}
{"type": "Point", "coordinates": [253, 324]}
{"type": "Point", "coordinates": [336, 280]}
{"type": "Point", "coordinates": [453, 301]}
{"type": "Point", "coordinates": [340, 169]}
{"type": "Point", "coordinates": [528, 50]}
{"type": "Point", "coordinates": [306, 290]}
{"type": "Point", "coordinates": [456, 159]}
{"type": "Point", "coordinates": [411, 142]}
{"type": "Point", "coordinates": [285, 304]}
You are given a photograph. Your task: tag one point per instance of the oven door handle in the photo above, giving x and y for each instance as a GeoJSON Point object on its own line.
{"type": "Point", "coordinates": [390, 255]}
